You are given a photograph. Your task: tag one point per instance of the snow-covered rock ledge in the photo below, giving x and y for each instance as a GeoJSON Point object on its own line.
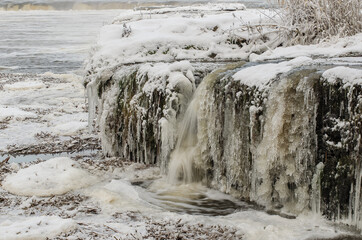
{"type": "Point", "coordinates": [146, 65]}
{"type": "Point", "coordinates": [196, 33]}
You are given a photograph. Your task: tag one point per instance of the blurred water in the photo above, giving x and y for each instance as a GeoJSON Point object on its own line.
{"type": "Point", "coordinates": [42, 41]}
{"type": "Point", "coordinates": [104, 4]}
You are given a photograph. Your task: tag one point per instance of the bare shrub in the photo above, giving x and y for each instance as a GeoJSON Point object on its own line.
{"type": "Point", "coordinates": [299, 22]}
{"type": "Point", "coordinates": [311, 21]}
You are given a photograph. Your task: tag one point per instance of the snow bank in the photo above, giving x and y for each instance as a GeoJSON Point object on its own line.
{"type": "Point", "coordinates": [15, 112]}
{"type": "Point", "coordinates": [337, 48]}
{"type": "Point", "coordinates": [194, 32]}
{"type": "Point", "coordinates": [349, 76]}
{"type": "Point", "coordinates": [52, 177]}
{"type": "Point", "coordinates": [261, 75]}
{"type": "Point", "coordinates": [178, 74]}
{"type": "Point", "coordinates": [28, 85]}
{"type": "Point", "coordinates": [41, 227]}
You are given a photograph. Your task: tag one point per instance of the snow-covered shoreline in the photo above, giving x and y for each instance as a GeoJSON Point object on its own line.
{"type": "Point", "coordinates": [98, 197]}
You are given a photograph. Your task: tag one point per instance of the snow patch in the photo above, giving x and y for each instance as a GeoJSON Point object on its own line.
{"type": "Point", "coordinates": [176, 74]}
{"type": "Point", "coordinates": [40, 227]}
{"type": "Point", "coordinates": [334, 48]}
{"type": "Point", "coordinates": [349, 76]}
{"type": "Point", "coordinates": [261, 75]}
{"type": "Point", "coordinates": [6, 112]}
{"type": "Point", "coordinates": [52, 177]}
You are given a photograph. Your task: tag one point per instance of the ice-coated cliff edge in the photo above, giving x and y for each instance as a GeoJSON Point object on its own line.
{"type": "Point", "coordinates": [145, 68]}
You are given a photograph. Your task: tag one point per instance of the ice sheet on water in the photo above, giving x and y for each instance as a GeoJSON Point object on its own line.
{"type": "Point", "coordinates": [34, 104]}
{"type": "Point", "coordinates": [69, 128]}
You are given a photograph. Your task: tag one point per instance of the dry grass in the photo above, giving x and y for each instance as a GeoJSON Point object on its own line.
{"type": "Point", "coordinates": [312, 21]}
{"type": "Point", "coordinates": [294, 22]}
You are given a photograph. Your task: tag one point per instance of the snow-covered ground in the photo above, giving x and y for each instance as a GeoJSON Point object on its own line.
{"type": "Point", "coordinates": [42, 114]}
{"type": "Point", "coordinates": [106, 205]}
{"type": "Point", "coordinates": [198, 33]}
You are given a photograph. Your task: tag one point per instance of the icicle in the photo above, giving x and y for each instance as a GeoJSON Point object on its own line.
{"type": "Point", "coordinates": [350, 205]}
{"type": "Point", "coordinates": [316, 190]}
{"type": "Point", "coordinates": [92, 102]}
{"type": "Point", "coordinates": [357, 204]}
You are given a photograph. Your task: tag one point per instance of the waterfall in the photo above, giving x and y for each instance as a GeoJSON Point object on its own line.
{"type": "Point", "coordinates": [181, 167]}
{"type": "Point", "coordinates": [183, 160]}
{"type": "Point", "coordinates": [290, 144]}
{"type": "Point", "coordinates": [276, 146]}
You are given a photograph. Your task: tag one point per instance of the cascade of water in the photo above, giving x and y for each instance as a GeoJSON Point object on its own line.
{"type": "Point", "coordinates": [181, 164]}
{"type": "Point", "coordinates": [182, 167]}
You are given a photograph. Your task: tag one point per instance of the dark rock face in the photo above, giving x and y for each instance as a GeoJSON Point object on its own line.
{"type": "Point", "coordinates": [339, 134]}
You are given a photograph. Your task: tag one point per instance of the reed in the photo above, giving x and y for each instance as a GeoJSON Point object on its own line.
{"type": "Point", "coordinates": [311, 21]}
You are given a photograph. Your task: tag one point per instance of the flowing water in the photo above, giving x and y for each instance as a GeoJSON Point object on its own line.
{"type": "Point", "coordinates": [183, 159]}
{"type": "Point", "coordinates": [190, 198]}
{"type": "Point", "coordinates": [48, 41]}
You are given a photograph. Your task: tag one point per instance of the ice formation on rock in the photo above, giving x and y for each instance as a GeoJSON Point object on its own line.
{"type": "Point", "coordinates": [294, 145]}
{"type": "Point", "coordinates": [284, 134]}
